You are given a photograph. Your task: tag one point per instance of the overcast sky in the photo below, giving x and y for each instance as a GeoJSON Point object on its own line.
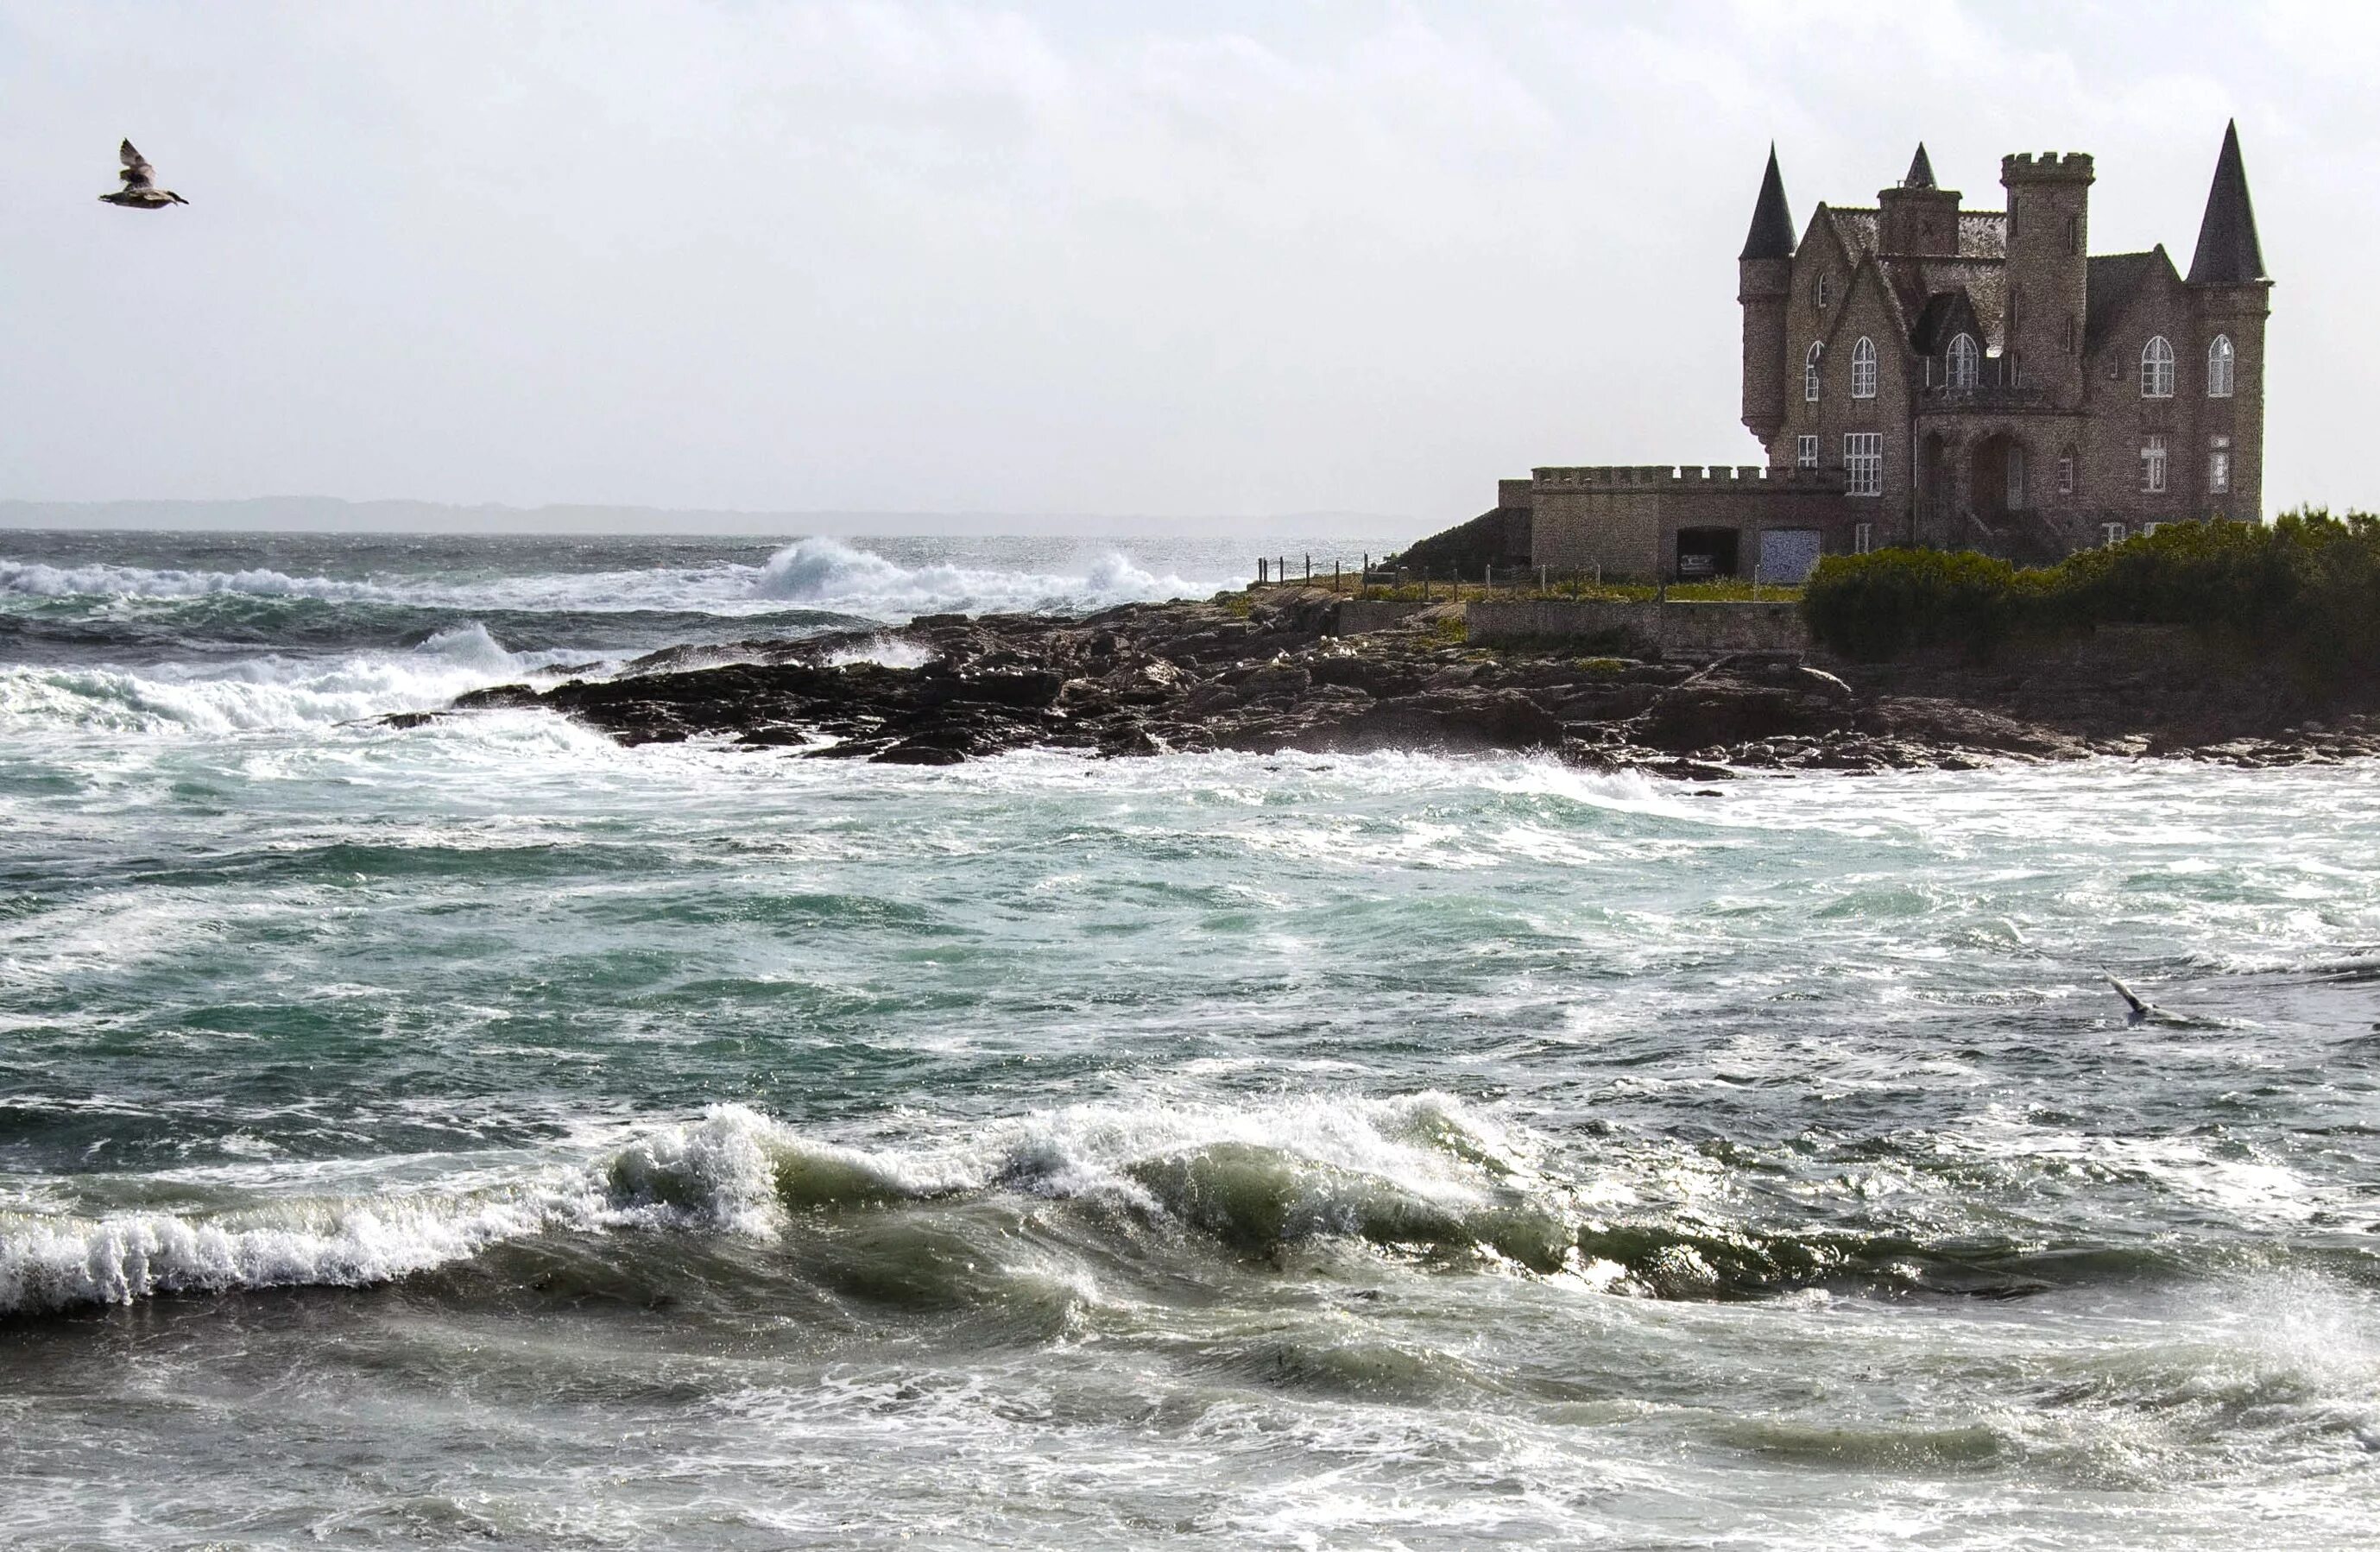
{"type": "Point", "coordinates": [1067, 257]}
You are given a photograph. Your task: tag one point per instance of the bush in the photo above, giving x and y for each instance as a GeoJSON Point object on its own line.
{"type": "Point", "coordinates": [2307, 585]}
{"type": "Point", "coordinates": [1887, 601]}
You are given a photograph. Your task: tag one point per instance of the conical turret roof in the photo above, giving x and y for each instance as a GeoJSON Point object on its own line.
{"type": "Point", "coordinates": [1772, 224]}
{"type": "Point", "coordinates": [2228, 251]}
{"type": "Point", "coordinates": [1921, 170]}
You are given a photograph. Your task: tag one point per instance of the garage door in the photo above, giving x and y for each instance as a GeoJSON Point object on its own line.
{"type": "Point", "coordinates": [1787, 554]}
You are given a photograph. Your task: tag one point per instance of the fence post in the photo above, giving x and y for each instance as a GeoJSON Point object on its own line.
{"type": "Point", "coordinates": [1260, 571]}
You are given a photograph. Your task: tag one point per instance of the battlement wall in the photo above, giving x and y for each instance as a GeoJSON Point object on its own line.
{"type": "Point", "coordinates": [2025, 166]}
{"type": "Point", "coordinates": [1707, 479]}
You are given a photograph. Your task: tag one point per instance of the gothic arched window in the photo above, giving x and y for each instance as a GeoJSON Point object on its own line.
{"type": "Point", "coordinates": [1863, 368]}
{"type": "Point", "coordinates": [2156, 368]}
{"type": "Point", "coordinates": [1810, 371]}
{"type": "Point", "coordinates": [2218, 368]}
{"type": "Point", "coordinates": [1966, 362]}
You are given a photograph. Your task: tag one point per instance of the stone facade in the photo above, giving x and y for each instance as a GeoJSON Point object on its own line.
{"type": "Point", "coordinates": [1919, 374]}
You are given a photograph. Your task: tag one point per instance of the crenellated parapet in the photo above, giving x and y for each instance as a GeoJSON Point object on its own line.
{"type": "Point", "coordinates": [2071, 167]}
{"type": "Point", "coordinates": [1712, 478]}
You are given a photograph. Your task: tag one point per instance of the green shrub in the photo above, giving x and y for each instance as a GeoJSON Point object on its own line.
{"type": "Point", "coordinates": [2307, 585]}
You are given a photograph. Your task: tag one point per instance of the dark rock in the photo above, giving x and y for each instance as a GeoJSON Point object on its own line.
{"type": "Point", "coordinates": [1257, 674]}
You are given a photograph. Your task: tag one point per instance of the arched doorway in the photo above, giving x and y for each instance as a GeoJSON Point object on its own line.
{"type": "Point", "coordinates": [1996, 476]}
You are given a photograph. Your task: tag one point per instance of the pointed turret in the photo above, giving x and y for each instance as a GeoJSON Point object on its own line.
{"type": "Point", "coordinates": [1921, 170]}
{"type": "Point", "coordinates": [2228, 251]}
{"type": "Point", "coordinates": [1764, 284]}
{"type": "Point", "coordinates": [1772, 222]}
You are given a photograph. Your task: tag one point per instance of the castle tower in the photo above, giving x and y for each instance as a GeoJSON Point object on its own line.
{"type": "Point", "coordinates": [1765, 288]}
{"type": "Point", "coordinates": [2048, 241]}
{"type": "Point", "coordinates": [1917, 218]}
{"type": "Point", "coordinates": [2233, 295]}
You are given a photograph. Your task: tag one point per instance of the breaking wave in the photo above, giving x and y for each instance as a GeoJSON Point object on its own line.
{"type": "Point", "coordinates": [831, 574]}
{"type": "Point", "coordinates": [1425, 1180]}
{"type": "Point", "coordinates": [262, 694]}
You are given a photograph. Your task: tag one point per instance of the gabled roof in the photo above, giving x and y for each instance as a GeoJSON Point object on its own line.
{"type": "Point", "coordinates": [1772, 222]}
{"type": "Point", "coordinates": [1946, 315]}
{"type": "Point", "coordinates": [1982, 233]}
{"type": "Point", "coordinates": [1914, 280]}
{"type": "Point", "coordinates": [1855, 227]}
{"type": "Point", "coordinates": [2110, 281]}
{"type": "Point", "coordinates": [2227, 253]}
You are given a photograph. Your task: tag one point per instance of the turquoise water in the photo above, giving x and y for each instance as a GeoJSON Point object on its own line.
{"type": "Point", "coordinates": [482, 1132]}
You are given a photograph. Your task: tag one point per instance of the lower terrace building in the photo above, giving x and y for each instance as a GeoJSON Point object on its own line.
{"type": "Point", "coordinates": [1922, 374]}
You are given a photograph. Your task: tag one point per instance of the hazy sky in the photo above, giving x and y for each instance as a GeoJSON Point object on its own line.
{"type": "Point", "coordinates": [1173, 260]}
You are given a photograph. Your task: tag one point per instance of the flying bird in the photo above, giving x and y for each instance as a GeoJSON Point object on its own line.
{"type": "Point", "coordinates": [2141, 1012]}
{"type": "Point", "coordinates": [140, 190]}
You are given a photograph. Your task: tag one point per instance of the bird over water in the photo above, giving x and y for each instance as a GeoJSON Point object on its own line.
{"type": "Point", "coordinates": [140, 190]}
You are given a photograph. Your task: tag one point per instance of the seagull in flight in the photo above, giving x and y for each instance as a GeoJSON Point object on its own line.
{"type": "Point", "coordinates": [2140, 1011]}
{"type": "Point", "coordinates": [140, 190]}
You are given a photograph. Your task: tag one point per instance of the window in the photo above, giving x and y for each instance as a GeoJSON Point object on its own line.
{"type": "Point", "coordinates": [2218, 368]}
{"type": "Point", "coordinates": [2218, 466]}
{"type": "Point", "coordinates": [2066, 474]}
{"type": "Point", "coordinates": [1810, 371]}
{"type": "Point", "coordinates": [1966, 362]}
{"type": "Point", "coordinates": [2153, 464]}
{"type": "Point", "coordinates": [2011, 373]}
{"type": "Point", "coordinates": [2070, 333]}
{"type": "Point", "coordinates": [2073, 233]}
{"type": "Point", "coordinates": [1863, 368]}
{"type": "Point", "coordinates": [1805, 452]}
{"type": "Point", "coordinates": [2111, 534]}
{"type": "Point", "coordinates": [2156, 368]}
{"type": "Point", "coordinates": [1863, 537]}
{"type": "Point", "coordinates": [1825, 290]}
{"type": "Point", "coordinates": [2015, 308]}
{"type": "Point", "coordinates": [1864, 463]}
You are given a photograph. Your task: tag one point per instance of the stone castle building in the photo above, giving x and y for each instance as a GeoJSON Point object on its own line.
{"type": "Point", "coordinates": [1921, 373]}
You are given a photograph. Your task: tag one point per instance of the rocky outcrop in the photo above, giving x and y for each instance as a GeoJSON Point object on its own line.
{"type": "Point", "coordinates": [1265, 675]}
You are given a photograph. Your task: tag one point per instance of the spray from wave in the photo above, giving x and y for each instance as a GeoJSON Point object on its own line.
{"type": "Point", "coordinates": [829, 574]}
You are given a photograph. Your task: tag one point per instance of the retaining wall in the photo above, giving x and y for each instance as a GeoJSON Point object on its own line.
{"type": "Point", "coordinates": [1355, 616]}
{"type": "Point", "coordinates": [1674, 629]}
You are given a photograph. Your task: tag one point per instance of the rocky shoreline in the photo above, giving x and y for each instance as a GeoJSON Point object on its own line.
{"type": "Point", "coordinates": [1266, 672]}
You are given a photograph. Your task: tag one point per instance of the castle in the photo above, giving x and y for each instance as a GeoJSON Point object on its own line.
{"type": "Point", "coordinates": [1923, 374]}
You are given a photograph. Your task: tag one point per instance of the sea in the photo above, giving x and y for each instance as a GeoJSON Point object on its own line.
{"type": "Point", "coordinates": [475, 1132]}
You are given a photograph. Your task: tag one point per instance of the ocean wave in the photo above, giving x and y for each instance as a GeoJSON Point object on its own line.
{"type": "Point", "coordinates": [1425, 1178]}
{"type": "Point", "coordinates": [1417, 1171]}
{"type": "Point", "coordinates": [828, 573]}
{"type": "Point", "coordinates": [821, 572]}
{"type": "Point", "coordinates": [262, 694]}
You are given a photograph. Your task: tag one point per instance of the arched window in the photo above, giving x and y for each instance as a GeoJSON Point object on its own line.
{"type": "Point", "coordinates": [2156, 368]}
{"type": "Point", "coordinates": [1810, 371]}
{"type": "Point", "coordinates": [1863, 368]}
{"type": "Point", "coordinates": [2218, 368]}
{"type": "Point", "coordinates": [1826, 289]}
{"type": "Point", "coordinates": [1966, 362]}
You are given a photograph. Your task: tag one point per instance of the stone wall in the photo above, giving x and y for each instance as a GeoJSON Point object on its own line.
{"type": "Point", "coordinates": [1624, 519]}
{"type": "Point", "coordinates": [1675, 628]}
